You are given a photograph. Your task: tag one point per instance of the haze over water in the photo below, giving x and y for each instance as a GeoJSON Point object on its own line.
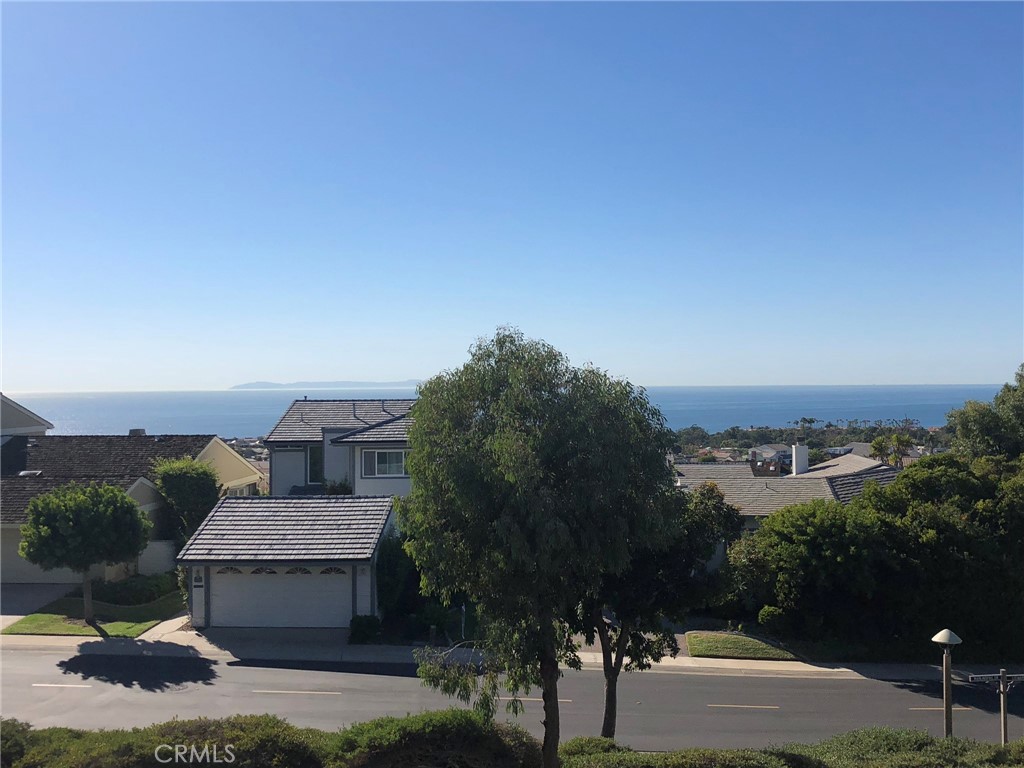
{"type": "Point", "coordinates": [253, 413]}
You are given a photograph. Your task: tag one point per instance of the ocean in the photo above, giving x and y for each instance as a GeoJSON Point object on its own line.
{"type": "Point", "coordinates": [253, 413]}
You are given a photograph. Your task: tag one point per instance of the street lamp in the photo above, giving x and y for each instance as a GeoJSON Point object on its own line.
{"type": "Point", "coordinates": [947, 639]}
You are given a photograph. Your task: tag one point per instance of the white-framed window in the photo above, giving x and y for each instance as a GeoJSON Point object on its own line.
{"type": "Point", "coordinates": [384, 463]}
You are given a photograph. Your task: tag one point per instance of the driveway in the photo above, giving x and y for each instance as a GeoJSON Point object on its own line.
{"type": "Point", "coordinates": [19, 600]}
{"type": "Point", "coordinates": [279, 643]}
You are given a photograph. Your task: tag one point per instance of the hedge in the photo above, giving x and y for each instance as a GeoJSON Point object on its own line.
{"type": "Point", "coordinates": [457, 738]}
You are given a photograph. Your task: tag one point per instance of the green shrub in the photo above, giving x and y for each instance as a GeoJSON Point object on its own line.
{"type": "Point", "coordinates": [256, 741]}
{"type": "Point", "coordinates": [773, 619]}
{"type": "Point", "coordinates": [687, 758]}
{"type": "Point", "coordinates": [588, 745]}
{"type": "Point", "coordinates": [454, 737]}
{"type": "Point", "coordinates": [337, 488]}
{"type": "Point", "coordinates": [15, 737]}
{"type": "Point", "coordinates": [135, 590]}
{"type": "Point", "coordinates": [363, 630]}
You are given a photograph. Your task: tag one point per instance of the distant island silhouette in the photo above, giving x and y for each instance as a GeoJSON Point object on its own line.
{"type": "Point", "coordinates": [408, 383]}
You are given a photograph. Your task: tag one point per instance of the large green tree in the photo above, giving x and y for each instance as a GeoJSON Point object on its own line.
{"type": "Point", "coordinates": [191, 489]}
{"type": "Point", "coordinates": [78, 526]}
{"type": "Point", "coordinates": [996, 428]}
{"type": "Point", "coordinates": [631, 615]}
{"type": "Point", "coordinates": [531, 481]}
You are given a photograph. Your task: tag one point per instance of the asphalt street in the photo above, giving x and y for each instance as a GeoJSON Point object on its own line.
{"type": "Point", "coordinates": [657, 710]}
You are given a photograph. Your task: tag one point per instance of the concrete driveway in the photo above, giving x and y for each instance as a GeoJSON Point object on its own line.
{"type": "Point", "coordinates": [19, 600]}
{"type": "Point", "coordinates": [279, 643]}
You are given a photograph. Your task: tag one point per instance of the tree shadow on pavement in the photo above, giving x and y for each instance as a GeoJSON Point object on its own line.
{"type": "Point", "coordinates": [151, 666]}
{"type": "Point", "coordinates": [379, 668]}
{"type": "Point", "coordinates": [974, 695]}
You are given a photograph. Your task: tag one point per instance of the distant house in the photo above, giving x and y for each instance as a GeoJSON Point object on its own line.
{"type": "Point", "coordinates": [360, 442]}
{"type": "Point", "coordinates": [299, 561]}
{"type": "Point", "coordinates": [33, 465]}
{"type": "Point", "coordinates": [773, 452]}
{"type": "Point", "coordinates": [839, 479]}
{"type": "Point", "coordinates": [16, 419]}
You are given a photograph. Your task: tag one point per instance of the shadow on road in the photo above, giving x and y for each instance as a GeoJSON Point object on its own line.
{"type": "Point", "coordinates": [974, 695]}
{"type": "Point", "coordinates": [151, 666]}
{"type": "Point", "coordinates": [381, 668]}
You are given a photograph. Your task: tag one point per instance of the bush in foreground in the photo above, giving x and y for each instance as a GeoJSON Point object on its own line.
{"type": "Point", "coordinates": [135, 590]}
{"type": "Point", "coordinates": [461, 739]}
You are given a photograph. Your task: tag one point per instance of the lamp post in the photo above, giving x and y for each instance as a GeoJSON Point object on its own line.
{"type": "Point", "coordinates": [947, 639]}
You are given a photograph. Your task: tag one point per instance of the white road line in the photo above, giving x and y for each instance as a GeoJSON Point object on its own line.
{"type": "Point", "coordinates": [58, 685]}
{"type": "Point", "coordinates": [938, 709]}
{"type": "Point", "coordinates": [744, 706]}
{"type": "Point", "coordinates": [527, 698]}
{"type": "Point", "coordinates": [304, 693]}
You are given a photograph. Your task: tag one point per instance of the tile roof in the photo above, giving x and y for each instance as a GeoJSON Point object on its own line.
{"type": "Point", "coordinates": [840, 465]}
{"type": "Point", "coordinates": [305, 420]}
{"type": "Point", "coordinates": [846, 487]}
{"type": "Point", "coordinates": [394, 430]}
{"type": "Point", "coordinates": [709, 471]}
{"type": "Point", "coordinates": [60, 459]}
{"type": "Point", "coordinates": [759, 496]}
{"type": "Point", "coordinates": [286, 529]}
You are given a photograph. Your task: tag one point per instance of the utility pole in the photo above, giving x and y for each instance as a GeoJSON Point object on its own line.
{"type": "Point", "coordinates": [1005, 683]}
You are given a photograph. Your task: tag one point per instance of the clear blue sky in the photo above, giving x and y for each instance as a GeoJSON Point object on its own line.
{"type": "Point", "coordinates": [197, 195]}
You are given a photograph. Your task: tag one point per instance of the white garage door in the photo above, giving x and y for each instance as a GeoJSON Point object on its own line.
{"type": "Point", "coordinates": [280, 596]}
{"type": "Point", "coordinates": [14, 569]}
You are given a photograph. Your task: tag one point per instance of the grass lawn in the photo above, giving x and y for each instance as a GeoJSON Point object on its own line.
{"type": "Point", "coordinates": [732, 645]}
{"type": "Point", "coordinates": [59, 617]}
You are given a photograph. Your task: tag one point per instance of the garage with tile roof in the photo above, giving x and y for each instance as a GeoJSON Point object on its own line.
{"type": "Point", "coordinates": [286, 561]}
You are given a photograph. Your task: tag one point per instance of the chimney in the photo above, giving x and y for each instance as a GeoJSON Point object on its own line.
{"type": "Point", "coordinates": [799, 459]}
{"type": "Point", "coordinates": [752, 455]}
{"type": "Point", "coordinates": [137, 432]}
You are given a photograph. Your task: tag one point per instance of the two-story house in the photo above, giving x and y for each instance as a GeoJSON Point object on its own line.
{"type": "Point", "coordinates": [359, 442]}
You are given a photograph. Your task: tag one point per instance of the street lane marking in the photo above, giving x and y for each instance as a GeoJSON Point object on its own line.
{"type": "Point", "coordinates": [303, 693]}
{"type": "Point", "coordinates": [527, 698]}
{"type": "Point", "coordinates": [744, 706]}
{"type": "Point", "coordinates": [58, 685]}
{"type": "Point", "coordinates": [938, 709]}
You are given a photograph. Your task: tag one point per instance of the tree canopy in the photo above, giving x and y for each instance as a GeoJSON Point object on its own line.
{"type": "Point", "coordinates": [531, 480]}
{"type": "Point", "coordinates": [990, 429]}
{"type": "Point", "coordinates": [78, 526]}
{"type": "Point", "coordinates": [191, 489]}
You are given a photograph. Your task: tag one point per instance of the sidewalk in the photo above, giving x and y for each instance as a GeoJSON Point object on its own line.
{"type": "Point", "coordinates": [328, 646]}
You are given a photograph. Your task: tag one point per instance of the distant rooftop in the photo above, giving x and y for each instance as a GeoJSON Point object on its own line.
{"type": "Point", "coordinates": [305, 420]}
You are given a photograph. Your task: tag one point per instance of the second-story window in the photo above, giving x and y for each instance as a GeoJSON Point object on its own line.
{"type": "Point", "coordinates": [315, 464]}
{"type": "Point", "coordinates": [384, 463]}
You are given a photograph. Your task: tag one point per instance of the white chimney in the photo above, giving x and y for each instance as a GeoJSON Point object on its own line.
{"type": "Point", "coordinates": [800, 460]}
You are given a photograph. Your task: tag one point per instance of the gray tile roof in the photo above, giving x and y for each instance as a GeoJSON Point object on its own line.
{"type": "Point", "coordinates": [759, 496]}
{"type": "Point", "coordinates": [289, 529]}
{"type": "Point", "coordinates": [840, 465]}
{"type": "Point", "coordinates": [847, 486]}
{"type": "Point", "coordinates": [708, 471]}
{"type": "Point", "coordinates": [305, 419]}
{"type": "Point", "coordinates": [395, 430]}
{"type": "Point", "coordinates": [60, 459]}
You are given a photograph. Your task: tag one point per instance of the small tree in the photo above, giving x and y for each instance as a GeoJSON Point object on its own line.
{"type": "Point", "coordinates": [78, 526]}
{"type": "Point", "coordinates": [191, 489]}
{"type": "Point", "coordinates": [631, 614]}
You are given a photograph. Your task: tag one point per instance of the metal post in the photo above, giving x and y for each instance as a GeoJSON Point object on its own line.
{"type": "Point", "coordinates": [947, 690]}
{"type": "Point", "coordinates": [1004, 688]}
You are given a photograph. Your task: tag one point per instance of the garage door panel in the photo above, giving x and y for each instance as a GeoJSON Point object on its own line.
{"type": "Point", "coordinates": [280, 599]}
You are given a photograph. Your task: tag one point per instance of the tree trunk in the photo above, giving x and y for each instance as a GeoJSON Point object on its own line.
{"type": "Point", "coordinates": [87, 598]}
{"type": "Point", "coordinates": [549, 680]}
{"type": "Point", "coordinates": [611, 703]}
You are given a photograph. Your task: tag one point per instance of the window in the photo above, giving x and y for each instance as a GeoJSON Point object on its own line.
{"type": "Point", "coordinates": [384, 463]}
{"type": "Point", "coordinates": [333, 570]}
{"type": "Point", "coordinates": [315, 464]}
{"type": "Point", "coordinates": [292, 571]}
{"type": "Point", "coordinates": [259, 571]}
{"type": "Point", "coordinates": [229, 569]}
